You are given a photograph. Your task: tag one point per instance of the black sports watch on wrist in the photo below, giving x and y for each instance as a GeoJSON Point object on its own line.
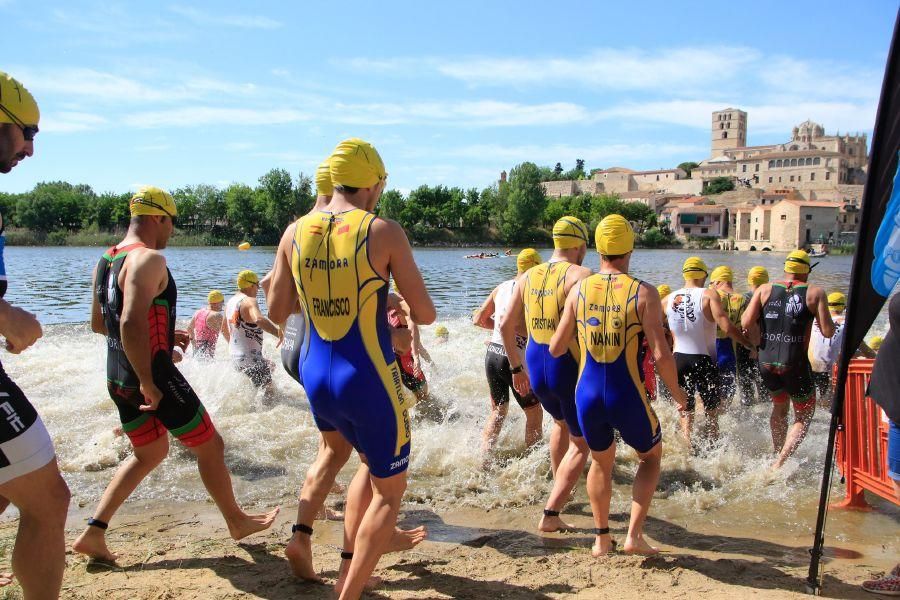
{"type": "Point", "coordinates": [516, 370]}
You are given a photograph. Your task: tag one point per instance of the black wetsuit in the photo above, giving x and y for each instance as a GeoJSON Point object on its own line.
{"type": "Point", "coordinates": [783, 361]}
{"type": "Point", "coordinates": [180, 410]}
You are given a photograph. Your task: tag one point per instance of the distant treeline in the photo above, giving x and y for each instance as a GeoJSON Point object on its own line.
{"type": "Point", "coordinates": [511, 212]}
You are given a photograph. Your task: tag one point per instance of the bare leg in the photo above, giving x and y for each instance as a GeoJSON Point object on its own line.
{"type": "Point", "coordinates": [334, 451]}
{"type": "Point", "coordinates": [559, 444]}
{"type": "Point", "coordinates": [567, 475]}
{"type": "Point", "coordinates": [92, 541]}
{"type": "Point", "coordinates": [217, 480]}
{"type": "Point", "coordinates": [374, 533]}
{"type": "Point", "coordinates": [492, 432]}
{"type": "Point", "coordinates": [39, 557]}
{"type": "Point", "coordinates": [778, 423]}
{"type": "Point", "coordinates": [711, 426]}
{"type": "Point", "coordinates": [642, 489]}
{"type": "Point", "coordinates": [534, 418]}
{"type": "Point", "coordinates": [802, 418]}
{"type": "Point", "coordinates": [686, 420]}
{"type": "Point", "coordinates": [599, 486]}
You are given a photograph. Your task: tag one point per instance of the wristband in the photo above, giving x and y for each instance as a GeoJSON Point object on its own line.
{"type": "Point", "coordinates": [516, 370]}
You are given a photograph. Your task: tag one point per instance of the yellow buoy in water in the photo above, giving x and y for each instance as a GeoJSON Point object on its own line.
{"type": "Point", "coordinates": [244, 246]}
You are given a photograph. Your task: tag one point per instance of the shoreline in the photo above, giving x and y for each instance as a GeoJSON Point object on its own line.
{"type": "Point", "coordinates": [182, 550]}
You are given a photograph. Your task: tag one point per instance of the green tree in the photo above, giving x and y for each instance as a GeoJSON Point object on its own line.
{"type": "Point", "coordinates": [687, 167]}
{"type": "Point", "coordinates": [275, 201]}
{"type": "Point", "coordinates": [305, 197]}
{"type": "Point", "coordinates": [391, 206]}
{"type": "Point", "coordinates": [525, 204]}
{"type": "Point", "coordinates": [240, 208]}
{"type": "Point", "coordinates": [54, 205]}
{"type": "Point", "coordinates": [557, 170]}
{"type": "Point", "coordinates": [717, 185]}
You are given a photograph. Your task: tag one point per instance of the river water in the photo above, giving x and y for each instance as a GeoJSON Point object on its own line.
{"type": "Point", "coordinates": [270, 448]}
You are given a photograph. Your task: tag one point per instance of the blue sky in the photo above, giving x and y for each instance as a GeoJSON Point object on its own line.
{"type": "Point", "coordinates": [174, 93]}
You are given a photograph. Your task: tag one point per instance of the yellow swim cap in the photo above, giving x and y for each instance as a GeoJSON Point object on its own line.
{"type": "Point", "coordinates": [694, 268]}
{"type": "Point", "coordinates": [324, 187]}
{"type": "Point", "coordinates": [569, 232]}
{"type": "Point", "coordinates": [757, 276]}
{"type": "Point", "coordinates": [150, 200]}
{"type": "Point", "coordinates": [215, 296]}
{"type": "Point", "coordinates": [664, 290]}
{"type": "Point", "coordinates": [875, 342]}
{"type": "Point", "coordinates": [246, 278]}
{"type": "Point", "coordinates": [527, 258]}
{"type": "Point", "coordinates": [441, 331]}
{"type": "Point", "coordinates": [17, 105]}
{"type": "Point", "coordinates": [614, 236]}
{"type": "Point", "coordinates": [797, 262]}
{"type": "Point", "coordinates": [722, 273]}
{"type": "Point", "coordinates": [356, 163]}
{"type": "Point", "coordinates": [837, 300]}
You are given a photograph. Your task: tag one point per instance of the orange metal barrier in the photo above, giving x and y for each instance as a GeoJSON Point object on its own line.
{"type": "Point", "coordinates": [861, 446]}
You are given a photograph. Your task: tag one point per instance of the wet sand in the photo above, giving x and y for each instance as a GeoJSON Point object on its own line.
{"type": "Point", "coordinates": [182, 550]}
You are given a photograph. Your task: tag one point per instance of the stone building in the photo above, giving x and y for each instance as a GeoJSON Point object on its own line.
{"type": "Point", "coordinates": [619, 180]}
{"type": "Point", "coordinates": [810, 160]}
{"type": "Point", "coordinates": [695, 217]}
{"type": "Point", "coordinates": [785, 225]}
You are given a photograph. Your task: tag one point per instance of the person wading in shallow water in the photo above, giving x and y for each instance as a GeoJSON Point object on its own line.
{"type": "Point", "coordinates": [611, 313]}
{"type": "Point", "coordinates": [134, 307]}
{"type": "Point", "coordinates": [537, 304]}
{"type": "Point", "coordinates": [30, 477]}
{"type": "Point", "coordinates": [338, 263]}
{"type": "Point", "coordinates": [780, 316]}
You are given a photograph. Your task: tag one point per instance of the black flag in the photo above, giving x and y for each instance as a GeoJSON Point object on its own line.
{"type": "Point", "coordinates": [876, 262]}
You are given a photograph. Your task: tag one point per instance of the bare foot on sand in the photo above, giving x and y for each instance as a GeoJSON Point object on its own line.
{"type": "Point", "coordinates": [6, 579]}
{"type": "Point", "coordinates": [603, 545]}
{"type": "Point", "coordinates": [638, 545]}
{"type": "Point", "coordinates": [250, 524]}
{"type": "Point", "coordinates": [299, 555]}
{"type": "Point", "coordinates": [406, 539]}
{"type": "Point", "coordinates": [549, 524]}
{"type": "Point", "coordinates": [92, 543]}
{"type": "Point", "coordinates": [373, 582]}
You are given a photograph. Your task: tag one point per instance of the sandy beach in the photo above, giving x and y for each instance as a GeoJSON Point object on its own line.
{"type": "Point", "coordinates": [183, 551]}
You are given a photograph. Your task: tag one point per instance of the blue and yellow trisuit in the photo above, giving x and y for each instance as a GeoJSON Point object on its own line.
{"type": "Point", "coordinates": [552, 379]}
{"type": "Point", "coordinates": [610, 392]}
{"type": "Point", "coordinates": [347, 362]}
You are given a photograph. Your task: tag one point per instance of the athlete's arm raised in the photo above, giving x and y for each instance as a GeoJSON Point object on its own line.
{"type": "Point", "coordinates": [401, 265]}
{"type": "Point", "coordinates": [97, 323]}
{"type": "Point", "coordinates": [484, 316]}
{"type": "Point", "coordinates": [823, 315]}
{"type": "Point", "coordinates": [650, 311]}
{"type": "Point", "coordinates": [565, 331]}
{"type": "Point", "coordinates": [721, 318]}
{"type": "Point", "coordinates": [280, 292]}
{"type": "Point", "coordinates": [144, 278]}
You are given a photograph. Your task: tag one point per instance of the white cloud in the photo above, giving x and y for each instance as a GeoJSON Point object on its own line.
{"type": "Point", "coordinates": [210, 115]}
{"type": "Point", "coordinates": [244, 21]}
{"type": "Point", "coordinates": [69, 122]}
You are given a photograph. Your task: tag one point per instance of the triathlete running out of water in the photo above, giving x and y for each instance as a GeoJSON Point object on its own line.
{"type": "Point", "coordinates": [538, 300]}
{"type": "Point", "coordinates": [823, 351]}
{"type": "Point", "coordinates": [205, 326]}
{"type": "Point", "coordinates": [441, 335]}
{"type": "Point", "coordinates": [649, 363]}
{"type": "Point", "coordinates": [610, 313]}
{"type": "Point", "coordinates": [29, 475]}
{"type": "Point", "coordinates": [734, 305]}
{"type": "Point", "coordinates": [780, 316]}
{"type": "Point", "coordinates": [243, 327]}
{"type": "Point", "coordinates": [134, 306]}
{"type": "Point", "coordinates": [338, 263]}
{"type": "Point", "coordinates": [410, 358]}
{"type": "Point", "coordinates": [693, 313]}
{"type": "Point", "coordinates": [496, 363]}
{"type": "Point", "coordinates": [749, 381]}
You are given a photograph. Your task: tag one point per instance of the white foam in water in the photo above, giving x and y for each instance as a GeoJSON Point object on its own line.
{"type": "Point", "coordinates": [270, 448]}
